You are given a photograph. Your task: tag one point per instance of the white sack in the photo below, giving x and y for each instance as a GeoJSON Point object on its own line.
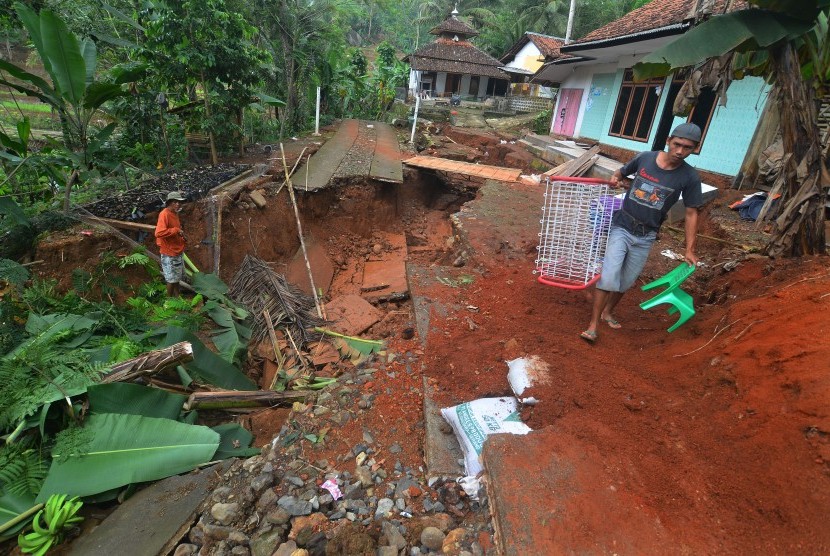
{"type": "Point", "coordinates": [473, 421]}
{"type": "Point", "coordinates": [524, 373]}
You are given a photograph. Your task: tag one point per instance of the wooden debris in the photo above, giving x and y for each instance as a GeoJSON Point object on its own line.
{"type": "Point", "coordinates": [123, 224]}
{"type": "Point", "coordinates": [578, 166]}
{"type": "Point", "coordinates": [235, 399]}
{"type": "Point", "coordinates": [150, 363]}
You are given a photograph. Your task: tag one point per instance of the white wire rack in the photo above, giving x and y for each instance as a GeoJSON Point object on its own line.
{"type": "Point", "coordinates": [575, 220]}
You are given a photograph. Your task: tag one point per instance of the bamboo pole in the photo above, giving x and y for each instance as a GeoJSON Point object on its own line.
{"type": "Point", "coordinates": [300, 232]}
{"type": "Point", "coordinates": [277, 353]}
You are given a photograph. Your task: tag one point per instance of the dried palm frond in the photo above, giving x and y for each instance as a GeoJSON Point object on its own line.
{"type": "Point", "coordinates": [258, 287]}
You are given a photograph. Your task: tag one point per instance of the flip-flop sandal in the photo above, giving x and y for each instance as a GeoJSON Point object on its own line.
{"type": "Point", "coordinates": [613, 323]}
{"type": "Point", "coordinates": [588, 336]}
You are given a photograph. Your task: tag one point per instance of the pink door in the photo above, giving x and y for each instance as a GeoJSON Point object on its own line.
{"type": "Point", "coordinates": [567, 110]}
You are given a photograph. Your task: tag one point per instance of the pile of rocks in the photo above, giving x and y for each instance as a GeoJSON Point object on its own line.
{"type": "Point", "coordinates": [278, 503]}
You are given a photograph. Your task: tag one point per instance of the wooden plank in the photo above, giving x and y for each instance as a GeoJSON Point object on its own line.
{"type": "Point", "coordinates": [464, 168]}
{"type": "Point", "coordinates": [124, 224]}
{"type": "Point", "coordinates": [571, 167]}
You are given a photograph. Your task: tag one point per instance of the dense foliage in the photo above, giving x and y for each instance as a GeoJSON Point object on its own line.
{"type": "Point", "coordinates": [134, 87]}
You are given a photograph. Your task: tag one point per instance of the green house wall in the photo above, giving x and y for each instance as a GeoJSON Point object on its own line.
{"type": "Point", "coordinates": [727, 138]}
{"type": "Point", "coordinates": [596, 105]}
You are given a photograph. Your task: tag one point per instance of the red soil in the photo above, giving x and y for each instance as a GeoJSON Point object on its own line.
{"type": "Point", "coordinates": [719, 431]}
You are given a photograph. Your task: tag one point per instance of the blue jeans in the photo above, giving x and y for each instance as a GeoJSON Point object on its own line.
{"type": "Point", "coordinates": [625, 257]}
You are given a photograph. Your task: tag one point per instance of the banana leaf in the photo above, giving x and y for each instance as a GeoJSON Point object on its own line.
{"type": "Point", "coordinates": [64, 53]}
{"type": "Point", "coordinates": [124, 449]}
{"type": "Point", "coordinates": [741, 31]}
{"type": "Point", "coordinates": [235, 442]}
{"type": "Point", "coordinates": [207, 365]}
{"type": "Point", "coordinates": [134, 399]}
{"type": "Point", "coordinates": [209, 285]}
{"type": "Point", "coordinates": [232, 339]}
{"type": "Point", "coordinates": [11, 506]}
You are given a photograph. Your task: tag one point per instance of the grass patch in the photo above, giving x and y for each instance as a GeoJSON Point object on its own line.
{"type": "Point", "coordinates": [27, 106]}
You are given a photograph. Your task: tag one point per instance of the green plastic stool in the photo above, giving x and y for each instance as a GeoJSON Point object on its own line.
{"type": "Point", "coordinates": [680, 301]}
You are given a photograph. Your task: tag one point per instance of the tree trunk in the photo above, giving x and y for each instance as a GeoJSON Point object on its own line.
{"type": "Point", "coordinates": [214, 158]}
{"type": "Point", "coordinates": [799, 229]}
{"type": "Point", "coordinates": [67, 191]}
{"type": "Point", "coordinates": [150, 363]}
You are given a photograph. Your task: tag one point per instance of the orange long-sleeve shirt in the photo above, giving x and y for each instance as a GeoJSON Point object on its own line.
{"type": "Point", "coordinates": [168, 238]}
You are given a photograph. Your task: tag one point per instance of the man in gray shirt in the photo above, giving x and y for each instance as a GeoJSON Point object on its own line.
{"type": "Point", "coordinates": [660, 178]}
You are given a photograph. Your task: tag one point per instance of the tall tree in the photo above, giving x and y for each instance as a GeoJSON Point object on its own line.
{"type": "Point", "coordinates": [202, 44]}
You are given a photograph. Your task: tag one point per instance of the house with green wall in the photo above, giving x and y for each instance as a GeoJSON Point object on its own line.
{"type": "Point", "coordinates": [599, 100]}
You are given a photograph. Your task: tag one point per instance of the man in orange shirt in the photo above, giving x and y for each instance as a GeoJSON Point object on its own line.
{"type": "Point", "coordinates": [171, 241]}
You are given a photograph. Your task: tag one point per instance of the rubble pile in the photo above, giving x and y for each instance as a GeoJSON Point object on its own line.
{"type": "Point", "coordinates": [285, 502]}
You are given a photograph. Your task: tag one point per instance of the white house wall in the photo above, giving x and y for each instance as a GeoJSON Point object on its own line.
{"type": "Point", "coordinates": [441, 82]}
{"type": "Point", "coordinates": [465, 83]}
{"type": "Point", "coordinates": [580, 78]}
{"type": "Point", "coordinates": [529, 58]}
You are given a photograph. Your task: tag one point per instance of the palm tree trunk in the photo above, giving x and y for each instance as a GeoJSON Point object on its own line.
{"type": "Point", "coordinates": [799, 229]}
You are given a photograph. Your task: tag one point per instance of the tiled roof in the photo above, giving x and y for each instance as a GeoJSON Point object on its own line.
{"type": "Point", "coordinates": [547, 45]}
{"type": "Point", "coordinates": [455, 57]}
{"type": "Point", "coordinates": [654, 15]}
{"type": "Point", "coordinates": [454, 25]}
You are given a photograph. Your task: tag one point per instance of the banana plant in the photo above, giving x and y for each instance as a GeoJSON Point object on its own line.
{"type": "Point", "coordinates": [72, 89]}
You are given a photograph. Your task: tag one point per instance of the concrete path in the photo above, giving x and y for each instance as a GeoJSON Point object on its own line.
{"type": "Point", "coordinates": [154, 520]}
{"type": "Point", "coordinates": [358, 150]}
{"type": "Point", "coordinates": [386, 163]}
{"type": "Point", "coordinates": [466, 168]}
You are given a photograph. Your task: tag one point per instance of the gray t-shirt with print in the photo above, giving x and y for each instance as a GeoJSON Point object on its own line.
{"type": "Point", "coordinates": [654, 190]}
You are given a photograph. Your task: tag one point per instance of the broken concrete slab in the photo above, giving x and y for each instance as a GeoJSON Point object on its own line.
{"type": "Point", "coordinates": [385, 280]}
{"type": "Point", "coordinates": [351, 314]}
{"type": "Point", "coordinates": [258, 198]}
{"type": "Point", "coordinates": [384, 275]}
{"type": "Point", "coordinates": [573, 484]}
{"type": "Point", "coordinates": [419, 279]}
{"type": "Point", "coordinates": [154, 520]}
{"type": "Point", "coordinates": [321, 268]}
{"type": "Point", "coordinates": [442, 453]}
{"type": "Point", "coordinates": [386, 162]}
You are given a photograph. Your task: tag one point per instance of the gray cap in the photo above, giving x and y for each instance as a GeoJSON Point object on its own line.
{"type": "Point", "coordinates": [688, 131]}
{"type": "Point", "coordinates": [175, 196]}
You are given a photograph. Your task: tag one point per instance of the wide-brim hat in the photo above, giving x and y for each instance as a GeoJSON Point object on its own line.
{"type": "Point", "coordinates": [175, 196]}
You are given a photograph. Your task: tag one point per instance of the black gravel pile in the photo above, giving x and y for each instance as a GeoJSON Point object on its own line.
{"type": "Point", "coordinates": [149, 195]}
